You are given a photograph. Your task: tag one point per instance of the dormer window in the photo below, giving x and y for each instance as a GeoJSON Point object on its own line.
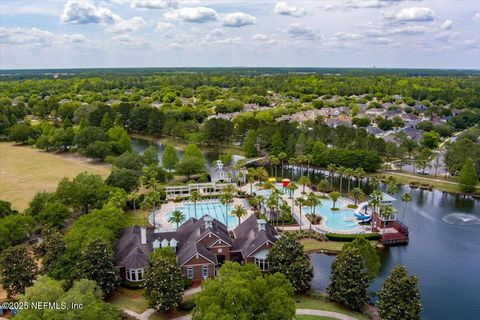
{"type": "Point", "coordinates": [165, 243]}
{"type": "Point", "coordinates": [156, 244]}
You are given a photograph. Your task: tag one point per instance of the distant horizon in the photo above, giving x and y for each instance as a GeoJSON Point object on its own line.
{"type": "Point", "coordinates": [84, 34]}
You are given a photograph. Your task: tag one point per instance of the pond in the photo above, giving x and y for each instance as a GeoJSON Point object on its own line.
{"type": "Point", "coordinates": [444, 253]}
{"type": "Point", "coordinates": [139, 145]}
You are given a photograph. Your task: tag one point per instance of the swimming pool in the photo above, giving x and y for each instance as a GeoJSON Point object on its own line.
{"type": "Point", "coordinates": [215, 210]}
{"type": "Point", "coordinates": [341, 220]}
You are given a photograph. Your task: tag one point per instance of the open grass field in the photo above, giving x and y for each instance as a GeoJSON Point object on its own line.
{"type": "Point", "coordinates": [24, 171]}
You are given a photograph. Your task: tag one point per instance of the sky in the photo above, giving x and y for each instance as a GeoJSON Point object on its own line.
{"type": "Point", "coordinates": [230, 33]}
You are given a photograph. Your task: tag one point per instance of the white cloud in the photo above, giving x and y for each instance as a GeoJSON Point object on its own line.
{"type": "Point", "coordinates": [446, 36]}
{"type": "Point", "coordinates": [361, 4]}
{"type": "Point", "coordinates": [476, 16]}
{"type": "Point", "coordinates": [447, 25]}
{"type": "Point", "coordinates": [84, 11]}
{"type": "Point", "coordinates": [164, 27]}
{"type": "Point", "coordinates": [129, 42]}
{"type": "Point", "coordinates": [38, 37]}
{"type": "Point", "coordinates": [194, 14]}
{"type": "Point", "coordinates": [345, 36]}
{"type": "Point", "coordinates": [217, 32]}
{"type": "Point", "coordinates": [381, 41]}
{"type": "Point", "coordinates": [238, 19]}
{"type": "Point", "coordinates": [129, 25]}
{"type": "Point", "coordinates": [298, 31]}
{"type": "Point", "coordinates": [284, 9]}
{"type": "Point", "coordinates": [411, 14]}
{"type": "Point", "coordinates": [408, 30]}
{"type": "Point", "coordinates": [154, 4]}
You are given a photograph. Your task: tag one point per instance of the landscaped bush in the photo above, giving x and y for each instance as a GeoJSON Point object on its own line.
{"type": "Point", "coordinates": [131, 285]}
{"type": "Point", "coordinates": [313, 218]}
{"type": "Point", "coordinates": [304, 234]}
{"type": "Point", "coordinates": [351, 237]}
{"type": "Point", "coordinates": [352, 206]}
{"type": "Point", "coordinates": [187, 283]}
{"type": "Point", "coordinates": [187, 306]}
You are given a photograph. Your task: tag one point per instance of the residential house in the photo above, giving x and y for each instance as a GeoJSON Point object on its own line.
{"type": "Point", "coordinates": [201, 246]}
{"type": "Point", "coordinates": [220, 173]}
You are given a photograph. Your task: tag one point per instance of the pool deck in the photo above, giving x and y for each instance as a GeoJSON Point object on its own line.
{"type": "Point", "coordinates": [321, 228]}
{"type": "Point", "coordinates": [161, 215]}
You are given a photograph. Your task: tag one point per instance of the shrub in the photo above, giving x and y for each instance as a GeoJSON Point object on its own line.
{"type": "Point", "coordinates": [351, 237]}
{"type": "Point", "coordinates": [187, 306]}
{"type": "Point", "coordinates": [187, 283]}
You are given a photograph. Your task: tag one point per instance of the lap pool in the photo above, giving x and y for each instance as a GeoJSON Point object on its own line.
{"type": "Point", "coordinates": [215, 210]}
{"type": "Point", "coordinates": [341, 220]}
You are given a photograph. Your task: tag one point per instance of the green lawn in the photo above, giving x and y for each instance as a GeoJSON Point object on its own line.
{"type": "Point", "coordinates": [129, 299]}
{"type": "Point", "coordinates": [304, 302]}
{"type": "Point", "coordinates": [24, 171]}
{"type": "Point", "coordinates": [313, 245]}
{"type": "Point", "coordinates": [137, 218]}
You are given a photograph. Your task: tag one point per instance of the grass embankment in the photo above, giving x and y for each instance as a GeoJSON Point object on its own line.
{"type": "Point", "coordinates": [312, 245]}
{"type": "Point", "coordinates": [438, 183]}
{"type": "Point", "coordinates": [305, 302]}
{"type": "Point", "coordinates": [24, 171]}
{"type": "Point", "coordinates": [300, 317]}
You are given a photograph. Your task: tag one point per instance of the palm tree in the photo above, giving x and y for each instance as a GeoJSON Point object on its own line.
{"type": "Point", "coordinates": [303, 181]}
{"type": "Point", "coordinates": [331, 172]}
{"type": "Point", "coordinates": [239, 212]}
{"type": "Point", "coordinates": [274, 161]}
{"type": "Point", "coordinates": [285, 210]}
{"type": "Point", "coordinates": [374, 183]}
{"type": "Point", "coordinates": [176, 217]}
{"type": "Point", "coordinates": [385, 213]}
{"type": "Point", "coordinates": [308, 159]}
{"type": "Point", "coordinates": [251, 178]}
{"type": "Point", "coordinates": [334, 195]}
{"type": "Point", "coordinates": [406, 198]}
{"type": "Point", "coordinates": [134, 198]}
{"type": "Point", "coordinates": [282, 156]}
{"type": "Point", "coordinates": [357, 194]}
{"type": "Point", "coordinates": [322, 185]}
{"type": "Point", "coordinates": [341, 172]}
{"type": "Point", "coordinates": [226, 198]}
{"type": "Point", "coordinates": [349, 172]}
{"type": "Point", "coordinates": [313, 201]}
{"type": "Point", "coordinates": [194, 197]}
{"type": "Point", "coordinates": [292, 186]}
{"type": "Point", "coordinates": [261, 174]}
{"type": "Point", "coordinates": [359, 173]}
{"type": "Point", "coordinates": [300, 202]}
{"type": "Point", "coordinates": [272, 203]}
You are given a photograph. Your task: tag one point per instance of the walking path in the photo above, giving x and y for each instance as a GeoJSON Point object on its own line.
{"type": "Point", "coordinates": [321, 313]}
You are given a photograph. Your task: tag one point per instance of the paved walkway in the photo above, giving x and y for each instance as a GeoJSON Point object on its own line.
{"type": "Point", "coordinates": [321, 313]}
{"type": "Point", "coordinates": [143, 316]}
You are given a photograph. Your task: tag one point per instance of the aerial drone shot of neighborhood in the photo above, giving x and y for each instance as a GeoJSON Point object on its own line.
{"type": "Point", "coordinates": [239, 159]}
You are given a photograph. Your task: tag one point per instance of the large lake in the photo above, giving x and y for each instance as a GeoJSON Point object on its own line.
{"type": "Point", "coordinates": [444, 249]}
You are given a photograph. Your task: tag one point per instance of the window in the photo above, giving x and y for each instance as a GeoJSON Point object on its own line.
{"type": "Point", "coordinates": [262, 264]}
{"type": "Point", "coordinates": [205, 271]}
{"type": "Point", "coordinates": [190, 273]}
{"type": "Point", "coordinates": [135, 275]}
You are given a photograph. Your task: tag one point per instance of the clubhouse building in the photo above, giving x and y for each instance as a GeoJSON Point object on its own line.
{"type": "Point", "coordinates": [201, 246]}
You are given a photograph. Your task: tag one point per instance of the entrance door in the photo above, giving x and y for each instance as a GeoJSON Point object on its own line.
{"type": "Point", "coordinates": [220, 259]}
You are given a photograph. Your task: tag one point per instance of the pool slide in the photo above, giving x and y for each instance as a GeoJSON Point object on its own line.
{"type": "Point", "coordinates": [361, 212]}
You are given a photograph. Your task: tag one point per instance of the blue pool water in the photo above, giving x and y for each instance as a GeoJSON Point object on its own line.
{"type": "Point", "coordinates": [215, 210]}
{"type": "Point", "coordinates": [343, 219]}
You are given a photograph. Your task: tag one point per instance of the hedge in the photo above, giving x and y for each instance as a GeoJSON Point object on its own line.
{"type": "Point", "coordinates": [351, 237]}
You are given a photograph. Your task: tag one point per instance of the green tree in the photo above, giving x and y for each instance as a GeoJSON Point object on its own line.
{"type": "Point", "coordinates": [163, 280]}
{"type": "Point", "coordinates": [226, 198]}
{"type": "Point", "coordinates": [17, 270]}
{"type": "Point", "coordinates": [50, 249]}
{"type": "Point", "coordinates": [250, 144]}
{"type": "Point", "coordinates": [128, 160]}
{"type": "Point", "coordinates": [277, 144]}
{"type": "Point", "coordinates": [357, 194]}
{"type": "Point", "coordinates": [430, 139]}
{"type": "Point", "coordinates": [97, 263]}
{"type": "Point", "coordinates": [243, 292]}
{"type": "Point", "coordinates": [126, 179]}
{"type": "Point", "coordinates": [177, 217]}
{"type": "Point", "coordinates": [89, 135]}
{"type": "Point", "coordinates": [98, 150]}
{"type": "Point", "coordinates": [371, 259]}
{"type": "Point", "coordinates": [14, 229]}
{"type": "Point", "coordinates": [303, 181]}
{"type": "Point", "coordinates": [287, 257]}
{"type": "Point", "coordinates": [406, 198]}
{"type": "Point", "coordinates": [399, 297]}
{"type": "Point", "coordinates": [169, 157]}
{"type": "Point", "coordinates": [424, 157]}
{"type": "Point", "coordinates": [239, 212]}
{"type": "Point", "coordinates": [468, 178]}
{"type": "Point", "coordinates": [150, 156]}
{"type": "Point", "coordinates": [85, 191]}
{"type": "Point", "coordinates": [21, 133]}
{"type": "Point", "coordinates": [6, 209]}
{"type": "Point", "coordinates": [334, 195]}
{"type": "Point", "coordinates": [349, 281]}
{"type": "Point", "coordinates": [192, 161]}
{"type": "Point", "coordinates": [54, 213]}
